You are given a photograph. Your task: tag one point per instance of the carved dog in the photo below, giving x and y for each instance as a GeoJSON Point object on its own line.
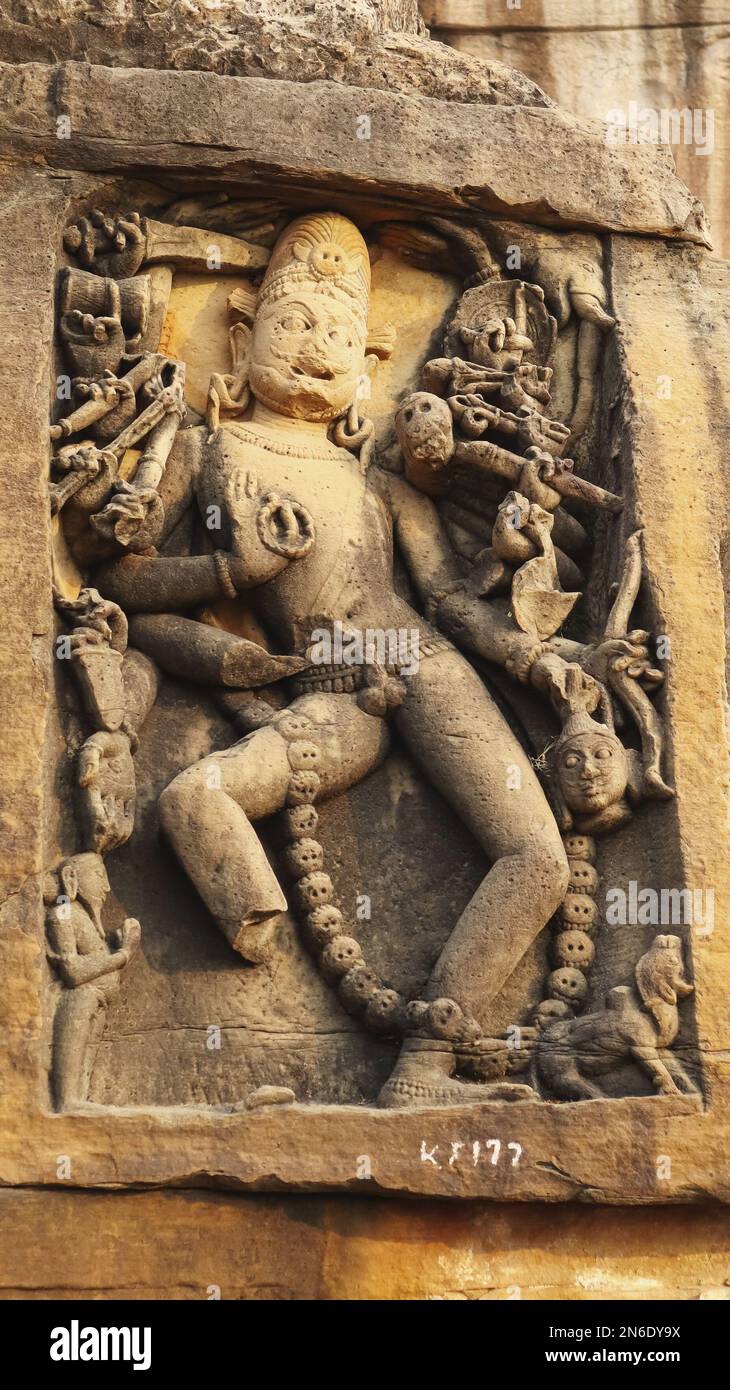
{"type": "Point", "coordinates": [639, 1023]}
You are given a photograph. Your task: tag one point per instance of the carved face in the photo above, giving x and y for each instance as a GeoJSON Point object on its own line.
{"type": "Point", "coordinates": [424, 426]}
{"type": "Point", "coordinates": [93, 883]}
{"type": "Point", "coordinates": [593, 772]}
{"type": "Point", "coordinates": [307, 355]}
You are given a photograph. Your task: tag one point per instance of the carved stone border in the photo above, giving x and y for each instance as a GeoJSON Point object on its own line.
{"type": "Point", "coordinates": [602, 1151]}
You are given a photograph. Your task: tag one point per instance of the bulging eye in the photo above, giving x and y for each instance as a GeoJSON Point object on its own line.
{"type": "Point", "coordinates": [294, 323]}
{"type": "Point", "coordinates": [571, 760]}
{"type": "Point", "coordinates": [604, 752]}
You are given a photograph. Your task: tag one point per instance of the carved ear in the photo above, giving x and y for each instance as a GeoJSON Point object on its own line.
{"type": "Point", "coordinates": [635, 784]}
{"type": "Point", "coordinates": [69, 880]}
{"type": "Point", "coordinates": [239, 337]}
{"type": "Point", "coordinates": [242, 303]}
{"type": "Point", "coordinates": [381, 340]}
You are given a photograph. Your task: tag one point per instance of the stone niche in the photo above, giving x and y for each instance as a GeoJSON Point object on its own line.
{"type": "Point", "coordinates": [230, 351]}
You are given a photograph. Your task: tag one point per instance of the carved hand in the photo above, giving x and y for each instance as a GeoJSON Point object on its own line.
{"type": "Point", "coordinates": [539, 432]}
{"type": "Point", "coordinates": [109, 246]}
{"type": "Point", "coordinates": [568, 686]}
{"type": "Point", "coordinates": [92, 341]}
{"type": "Point", "coordinates": [129, 936]}
{"type": "Point", "coordinates": [630, 654]}
{"type": "Point", "coordinates": [134, 517]}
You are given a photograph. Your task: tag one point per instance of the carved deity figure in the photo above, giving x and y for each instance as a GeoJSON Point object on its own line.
{"type": "Point", "coordinates": [307, 535]}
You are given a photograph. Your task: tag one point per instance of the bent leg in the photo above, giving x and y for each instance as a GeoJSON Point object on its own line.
{"type": "Point", "coordinates": [458, 736]}
{"type": "Point", "coordinates": [207, 811]}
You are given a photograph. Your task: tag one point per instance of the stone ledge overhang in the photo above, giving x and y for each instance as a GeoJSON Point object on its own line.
{"type": "Point", "coordinates": [526, 163]}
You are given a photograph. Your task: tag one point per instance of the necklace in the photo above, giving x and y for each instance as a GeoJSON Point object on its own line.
{"type": "Point", "coordinates": [275, 445]}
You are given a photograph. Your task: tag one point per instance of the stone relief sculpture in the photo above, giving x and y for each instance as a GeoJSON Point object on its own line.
{"type": "Point", "coordinates": [641, 1021]}
{"type": "Point", "coordinates": [298, 520]}
{"type": "Point", "coordinates": [89, 965]}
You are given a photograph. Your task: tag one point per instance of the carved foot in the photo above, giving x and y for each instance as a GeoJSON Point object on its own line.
{"type": "Point", "coordinates": [422, 1079]}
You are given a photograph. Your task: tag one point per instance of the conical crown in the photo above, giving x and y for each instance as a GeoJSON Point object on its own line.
{"type": "Point", "coordinates": [322, 253]}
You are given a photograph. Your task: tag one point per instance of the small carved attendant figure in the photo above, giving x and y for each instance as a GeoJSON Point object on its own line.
{"type": "Point", "coordinates": [89, 965]}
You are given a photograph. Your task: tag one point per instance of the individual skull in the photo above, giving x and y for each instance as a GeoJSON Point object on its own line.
{"type": "Point", "coordinates": [580, 847]}
{"type": "Point", "coordinates": [579, 910]}
{"type": "Point", "coordinates": [303, 857]}
{"type": "Point", "coordinates": [339, 957]}
{"type": "Point", "coordinates": [568, 984]}
{"type": "Point", "coordinates": [314, 890]}
{"type": "Point", "coordinates": [384, 1013]}
{"type": "Point", "coordinates": [300, 821]}
{"type": "Point", "coordinates": [303, 756]}
{"type": "Point", "coordinates": [583, 877]}
{"type": "Point", "coordinates": [323, 924]}
{"type": "Point", "coordinates": [358, 987]}
{"type": "Point", "coordinates": [293, 726]}
{"type": "Point", "coordinates": [303, 787]}
{"type": "Point", "coordinates": [425, 429]}
{"type": "Point", "coordinates": [574, 948]}
{"type": "Point", "coordinates": [446, 1019]}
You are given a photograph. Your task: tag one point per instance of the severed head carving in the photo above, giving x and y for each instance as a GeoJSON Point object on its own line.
{"type": "Point", "coordinates": [425, 428]}
{"type": "Point", "coordinates": [592, 773]}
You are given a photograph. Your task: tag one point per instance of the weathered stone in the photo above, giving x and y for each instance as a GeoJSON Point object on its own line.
{"type": "Point", "coordinates": [400, 772]}
{"type": "Point", "coordinates": [359, 43]}
{"type": "Point", "coordinates": [639, 189]}
{"type": "Point", "coordinates": [665, 64]}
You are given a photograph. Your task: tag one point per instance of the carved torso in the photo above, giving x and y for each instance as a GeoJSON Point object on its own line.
{"type": "Point", "coordinates": [348, 574]}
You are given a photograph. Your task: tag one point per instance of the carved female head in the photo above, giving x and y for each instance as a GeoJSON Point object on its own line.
{"type": "Point", "coordinates": [592, 773]}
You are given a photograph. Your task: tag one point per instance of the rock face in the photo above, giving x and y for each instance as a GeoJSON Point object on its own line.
{"type": "Point", "coordinates": [361, 43]}
{"type": "Point", "coordinates": [670, 57]}
{"type": "Point", "coordinates": [360, 823]}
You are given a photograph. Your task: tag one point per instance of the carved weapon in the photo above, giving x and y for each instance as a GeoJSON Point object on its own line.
{"type": "Point", "coordinates": [490, 458]}
{"type": "Point", "coordinates": [87, 414]}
